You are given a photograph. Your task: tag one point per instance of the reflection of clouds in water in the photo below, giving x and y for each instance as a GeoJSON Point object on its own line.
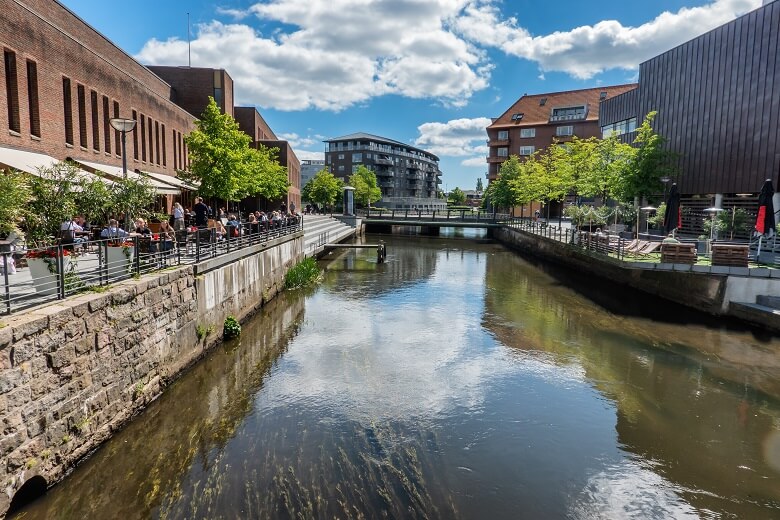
{"type": "Point", "coordinates": [401, 358]}
{"type": "Point", "coordinates": [627, 490]}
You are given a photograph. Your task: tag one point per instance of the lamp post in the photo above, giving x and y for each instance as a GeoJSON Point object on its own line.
{"type": "Point", "coordinates": [713, 212]}
{"type": "Point", "coordinates": [648, 210]}
{"type": "Point", "coordinates": [124, 125]}
{"type": "Point", "coordinates": [665, 179]}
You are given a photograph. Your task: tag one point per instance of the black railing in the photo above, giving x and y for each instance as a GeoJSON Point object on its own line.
{"type": "Point", "coordinates": [61, 271]}
{"type": "Point", "coordinates": [462, 215]}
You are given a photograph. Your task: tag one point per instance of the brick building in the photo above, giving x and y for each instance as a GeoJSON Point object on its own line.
{"type": "Point", "coordinates": [534, 121]}
{"type": "Point", "coordinates": [63, 81]}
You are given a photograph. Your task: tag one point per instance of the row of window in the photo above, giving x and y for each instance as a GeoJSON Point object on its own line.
{"type": "Point", "coordinates": [152, 133]}
{"type": "Point", "coordinates": [358, 158]}
{"type": "Point", "coordinates": [527, 133]}
{"type": "Point", "coordinates": [621, 127]}
{"type": "Point", "coordinates": [524, 150]}
{"type": "Point", "coordinates": [12, 94]}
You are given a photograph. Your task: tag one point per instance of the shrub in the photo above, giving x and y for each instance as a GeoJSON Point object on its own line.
{"type": "Point", "coordinates": [231, 328]}
{"type": "Point", "coordinates": [304, 273]}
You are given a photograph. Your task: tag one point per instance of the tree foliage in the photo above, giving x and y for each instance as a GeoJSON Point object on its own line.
{"type": "Point", "coordinates": [323, 189]}
{"type": "Point", "coordinates": [457, 197]}
{"type": "Point", "coordinates": [480, 186]}
{"type": "Point", "coordinates": [14, 196]}
{"type": "Point", "coordinates": [365, 184]}
{"type": "Point", "coordinates": [224, 164]}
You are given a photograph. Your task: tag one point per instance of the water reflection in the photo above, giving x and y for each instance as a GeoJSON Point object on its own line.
{"type": "Point", "coordinates": [456, 381]}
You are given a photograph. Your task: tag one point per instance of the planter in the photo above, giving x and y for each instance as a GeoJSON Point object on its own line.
{"type": "Point", "coordinates": [119, 260]}
{"type": "Point", "coordinates": [43, 272]}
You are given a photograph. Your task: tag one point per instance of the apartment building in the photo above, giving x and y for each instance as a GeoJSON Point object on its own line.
{"type": "Point", "coordinates": [408, 177]}
{"type": "Point", "coordinates": [536, 121]}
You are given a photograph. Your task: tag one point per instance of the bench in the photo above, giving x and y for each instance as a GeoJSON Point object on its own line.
{"type": "Point", "coordinates": [678, 253]}
{"type": "Point", "coordinates": [732, 255]}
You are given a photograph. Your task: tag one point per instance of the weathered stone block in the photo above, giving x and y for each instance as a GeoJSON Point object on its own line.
{"type": "Point", "coordinates": [29, 328]}
{"type": "Point", "coordinates": [6, 336]}
{"type": "Point", "coordinates": [62, 357]}
{"type": "Point", "coordinates": [75, 328]}
{"type": "Point", "coordinates": [10, 442]}
{"type": "Point", "coordinates": [19, 397]}
{"type": "Point", "coordinates": [10, 423]}
{"type": "Point", "coordinates": [99, 303]}
{"type": "Point", "coordinates": [10, 379]}
{"type": "Point", "coordinates": [103, 339]}
{"type": "Point", "coordinates": [84, 345]}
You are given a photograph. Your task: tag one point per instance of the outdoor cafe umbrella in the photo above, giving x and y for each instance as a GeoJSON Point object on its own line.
{"type": "Point", "coordinates": [765, 222]}
{"type": "Point", "coordinates": [672, 215]}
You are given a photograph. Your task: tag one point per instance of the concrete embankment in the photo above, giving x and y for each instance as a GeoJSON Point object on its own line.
{"type": "Point", "coordinates": [74, 372]}
{"type": "Point", "coordinates": [717, 294]}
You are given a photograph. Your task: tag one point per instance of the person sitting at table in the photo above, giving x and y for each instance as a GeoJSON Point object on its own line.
{"type": "Point", "coordinates": [71, 233]}
{"type": "Point", "coordinates": [234, 225]}
{"type": "Point", "coordinates": [219, 230]}
{"type": "Point", "coordinates": [142, 229]}
{"type": "Point", "coordinates": [114, 231]}
{"type": "Point", "coordinates": [253, 225]}
{"type": "Point", "coordinates": [167, 236]}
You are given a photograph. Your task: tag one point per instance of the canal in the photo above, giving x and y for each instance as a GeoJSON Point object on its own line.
{"type": "Point", "coordinates": [457, 380]}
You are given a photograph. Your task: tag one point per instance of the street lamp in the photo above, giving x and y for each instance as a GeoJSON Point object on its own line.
{"type": "Point", "coordinates": [123, 125]}
{"type": "Point", "coordinates": [665, 179]}
{"type": "Point", "coordinates": [713, 212]}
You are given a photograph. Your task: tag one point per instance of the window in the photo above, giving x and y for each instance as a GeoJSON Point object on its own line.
{"type": "Point", "coordinates": [173, 143]}
{"type": "Point", "coordinates": [151, 138]}
{"type": "Point", "coordinates": [368, 156]}
{"type": "Point", "coordinates": [135, 136]}
{"type": "Point", "coordinates": [143, 138]}
{"type": "Point", "coordinates": [327, 159]}
{"type": "Point", "coordinates": [355, 168]}
{"type": "Point", "coordinates": [12, 91]}
{"type": "Point", "coordinates": [341, 167]}
{"type": "Point", "coordinates": [157, 142]}
{"type": "Point", "coordinates": [602, 96]}
{"type": "Point", "coordinates": [527, 132]}
{"type": "Point", "coordinates": [569, 113]}
{"type": "Point", "coordinates": [503, 135]}
{"type": "Point", "coordinates": [81, 98]}
{"type": "Point", "coordinates": [163, 145]}
{"type": "Point", "coordinates": [621, 127]}
{"type": "Point", "coordinates": [502, 152]}
{"type": "Point", "coordinates": [93, 102]}
{"type": "Point", "coordinates": [341, 156]}
{"type": "Point", "coordinates": [517, 117]}
{"type": "Point", "coordinates": [106, 124]}
{"type": "Point", "coordinates": [32, 98]}
{"type": "Point", "coordinates": [527, 150]}
{"type": "Point", "coordinates": [357, 157]}
{"type": "Point", "coordinates": [117, 133]}
{"type": "Point", "coordinates": [67, 104]}
{"type": "Point", "coordinates": [217, 88]}
{"type": "Point", "coordinates": [564, 130]}
{"type": "Point", "coordinates": [542, 101]}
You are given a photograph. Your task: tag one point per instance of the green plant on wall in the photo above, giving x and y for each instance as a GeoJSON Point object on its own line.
{"type": "Point", "coordinates": [231, 328]}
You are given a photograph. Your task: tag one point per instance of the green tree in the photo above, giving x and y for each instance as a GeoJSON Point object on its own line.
{"type": "Point", "coordinates": [577, 161]}
{"type": "Point", "coordinates": [366, 189]}
{"type": "Point", "coordinates": [649, 162]}
{"type": "Point", "coordinates": [14, 196]}
{"type": "Point", "coordinates": [224, 164]}
{"type": "Point", "coordinates": [551, 179]}
{"type": "Point", "coordinates": [52, 200]}
{"type": "Point", "coordinates": [134, 196]}
{"type": "Point", "coordinates": [323, 189]}
{"type": "Point", "coordinates": [501, 192]}
{"type": "Point", "coordinates": [480, 188]}
{"type": "Point", "coordinates": [457, 197]}
{"type": "Point", "coordinates": [610, 163]}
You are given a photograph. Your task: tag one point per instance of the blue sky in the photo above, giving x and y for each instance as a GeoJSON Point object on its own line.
{"type": "Point", "coordinates": [427, 72]}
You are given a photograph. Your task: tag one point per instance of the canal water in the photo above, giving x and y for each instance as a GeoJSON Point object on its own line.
{"type": "Point", "coordinates": [457, 380]}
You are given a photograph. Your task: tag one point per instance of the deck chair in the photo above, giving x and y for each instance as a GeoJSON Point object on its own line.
{"type": "Point", "coordinates": [650, 247]}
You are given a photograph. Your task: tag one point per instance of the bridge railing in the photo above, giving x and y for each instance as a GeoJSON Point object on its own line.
{"type": "Point", "coordinates": [460, 215]}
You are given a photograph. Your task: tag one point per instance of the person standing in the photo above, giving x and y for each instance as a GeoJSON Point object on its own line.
{"type": "Point", "coordinates": [201, 213]}
{"type": "Point", "coordinates": [283, 207]}
{"type": "Point", "coordinates": [178, 217]}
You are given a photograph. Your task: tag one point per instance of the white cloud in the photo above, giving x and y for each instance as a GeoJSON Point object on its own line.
{"type": "Point", "coordinates": [475, 162]}
{"type": "Point", "coordinates": [588, 50]}
{"type": "Point", "coordinates": [297, 141]}
{"type": "Point", "coordinates": [338, 54]}
{"type": "Point", "coordinates": [236, 14]}
{"type": "Point", "coordinates": [455, 138]}
{"type": "Point", "coordinates": [307, 155]}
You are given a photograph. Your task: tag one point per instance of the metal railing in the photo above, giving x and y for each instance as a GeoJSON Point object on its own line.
{"type": "Point", "coordinates": [60, 271]}
{"type": "Point", "coordinates": [461, 215]}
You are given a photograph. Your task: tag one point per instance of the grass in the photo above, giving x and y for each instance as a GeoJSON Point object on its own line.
{"type": "Point", "coordinates": [303, 274]}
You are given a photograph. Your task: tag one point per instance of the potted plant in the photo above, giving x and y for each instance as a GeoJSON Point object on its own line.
{"type": "Point", "coordinates": [44, 268]}
{"type": "Point", "coordinates": [119, 257]}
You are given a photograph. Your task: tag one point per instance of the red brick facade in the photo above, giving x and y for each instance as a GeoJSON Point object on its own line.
{"type": "Point", "coordinates": [52, 45]}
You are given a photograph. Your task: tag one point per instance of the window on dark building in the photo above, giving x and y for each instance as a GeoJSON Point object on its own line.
{"type": "Point", "coordinates": [82, 102]}
{"type": "Point", "coordinates": [32, 98]}
{"type": "Point", "coordinates": [564, 130]}
{"type": "Point", "coordinates": [527, 132]}
{"type": "Point", "coordinates": [67, 103]}
{"type": "Point", "coordinates": [143, 138]}
{"type": "Point", "coordinates": [12, 91]}
{"type": "Point", "coordinates": [164, 161]}
{"type": "Point", "coordinates": [502, 152]}
{"type": "Point", "coordinates": [218, 88]}
{"type": "Point", "coordinates": [93, 101]}
{"type": "Point", "coordinates": [135, 137]}
{"type": "Point", "coordinates": [503, 135]}
{"type": "Point", "coordinates": [106, 124]}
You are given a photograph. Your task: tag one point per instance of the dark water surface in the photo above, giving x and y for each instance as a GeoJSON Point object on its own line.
{"type": "Point", "coordinates": [455, 381]}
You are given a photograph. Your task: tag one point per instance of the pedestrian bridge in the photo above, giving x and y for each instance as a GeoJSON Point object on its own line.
{"type": "Point", "coordinates": [434, 219]}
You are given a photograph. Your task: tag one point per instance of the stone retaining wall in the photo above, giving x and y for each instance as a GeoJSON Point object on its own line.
{"type": "Point", "coordinates": [74, 372]}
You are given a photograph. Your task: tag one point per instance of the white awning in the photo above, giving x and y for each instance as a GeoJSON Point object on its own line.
{"type": "Point", "coordinates": [32, 162]}
{"type": "Point", "coordinates": [170, 179]}
{"type": "Point", "coordinates": [116, 172]}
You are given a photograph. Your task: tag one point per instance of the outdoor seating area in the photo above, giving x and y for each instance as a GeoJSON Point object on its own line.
{"type": "Point", "coordinates": [730, 255]}
{"type": "Point", "coordinates": [678, 253]}
{"type": "Point", "coordinates": [31, 276]}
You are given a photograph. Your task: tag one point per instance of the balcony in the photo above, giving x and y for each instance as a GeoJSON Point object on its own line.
{"type": "Point", "coordinates": [383, 160]}
{"type": "Point", "coordinates": [496, 159]}
{"type": "Point", "coordinates": [498, 142]}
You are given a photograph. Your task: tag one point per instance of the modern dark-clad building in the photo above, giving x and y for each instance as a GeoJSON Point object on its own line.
{"type": "Point", "coordinates": [408, 177]}
{"type": "Point", "coordinates": [718, 103]}
{"type": "Point", "coordinates": [535, 121]}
